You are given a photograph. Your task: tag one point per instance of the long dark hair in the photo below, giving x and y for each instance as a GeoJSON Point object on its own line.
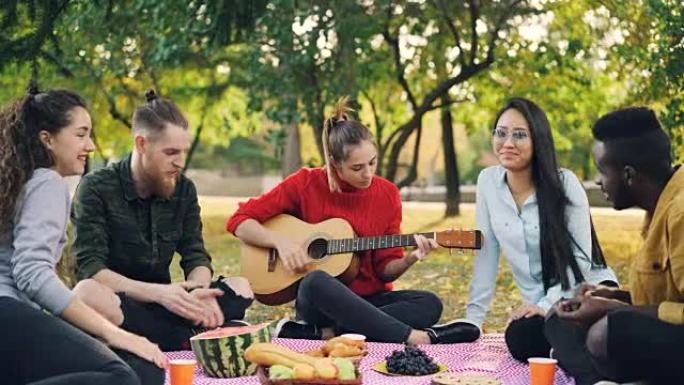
{"type": "Point", "coordinates": [21, 150]}
{"type": "Point", "coordinates": [555, 241]}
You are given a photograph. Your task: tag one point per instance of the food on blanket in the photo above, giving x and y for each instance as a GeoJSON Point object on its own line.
{"type": "Point", "coordinates": [302, 366]}
{"type": "Point", "coordinates": [335, 342]}
{"type": "Point", "coordinates": [220, 352]}
{"type": "Point", "coordinates": [315, 353]}
{"type": "Point", "coordinates": [280, 372]}
{"type": "Point", "coordinates": [304, 372]}
{"type": "Point", "coordinates": [342, 350]}
{"type": "Point", "coordinates": [341, 347]}
{"type": "Point", "coordinates": [345, 369]}
{"type": "Point", "coordinates": [463, 379]}
{"type": "Point", "coordinates": [325, 368]}
{"type": "Point", "coordinates": [411, 361]}
{"type": "Point", "coordinates": [268, 354]}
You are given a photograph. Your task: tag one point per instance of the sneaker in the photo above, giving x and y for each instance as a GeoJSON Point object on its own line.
{"type": "Point", "coordinates": [453, 332]}
{"type": "Point", "coordinates": [286, 328]}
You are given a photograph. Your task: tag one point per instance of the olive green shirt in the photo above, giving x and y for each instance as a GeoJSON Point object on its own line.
{"type": "Point", "coordinates": [116, 229]}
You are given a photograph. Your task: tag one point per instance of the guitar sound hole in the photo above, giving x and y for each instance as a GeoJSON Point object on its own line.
{"type": "Point", "coordinates": [318, 248]}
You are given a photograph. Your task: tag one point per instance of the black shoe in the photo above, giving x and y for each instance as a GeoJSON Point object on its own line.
{"type": "Point", "coordinates": [232, 305]}
{"type": "Point", "coordinates": [454, 332]}
{"type": "Point", "coordinates": [297, 329]}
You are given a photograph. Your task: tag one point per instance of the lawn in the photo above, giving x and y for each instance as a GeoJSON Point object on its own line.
{"type": "Point", "coordinates": [445, 274]}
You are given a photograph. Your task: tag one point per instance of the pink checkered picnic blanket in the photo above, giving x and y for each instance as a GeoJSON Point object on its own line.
{"type": "Point", "coordinates": [487, 356]}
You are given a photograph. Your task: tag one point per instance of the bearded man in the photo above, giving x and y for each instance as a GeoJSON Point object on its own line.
{"type": "Point", "coordinates": [130, 218]}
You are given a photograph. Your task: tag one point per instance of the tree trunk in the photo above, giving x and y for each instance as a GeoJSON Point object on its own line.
{"type": "Point", "coordinates": [405, 131]}
{"type": "Point", "coordinates": [453, 194]}
{"type": "Point", "coordinates": [292, 156]}
{"type": "Point", "coordinates": [193, 147]}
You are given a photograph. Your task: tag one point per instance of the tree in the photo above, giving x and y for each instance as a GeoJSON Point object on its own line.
{"type": "Point", "coordinates": [475, 29]}
{"type": "Point", "coordinates": [115, 52]}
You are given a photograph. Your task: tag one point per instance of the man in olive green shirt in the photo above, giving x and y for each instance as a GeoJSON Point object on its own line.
{"type": "Point", "coordinates": [636, 334]}
{"type": "Point", "coordinates": [130, 218]}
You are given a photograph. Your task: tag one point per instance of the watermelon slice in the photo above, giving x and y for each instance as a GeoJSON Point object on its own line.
{"type": "Point", "coordinates": [220, 352]}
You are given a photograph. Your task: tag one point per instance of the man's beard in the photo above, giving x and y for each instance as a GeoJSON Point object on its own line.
{"type": "Point", "coordinates": [161, 186]}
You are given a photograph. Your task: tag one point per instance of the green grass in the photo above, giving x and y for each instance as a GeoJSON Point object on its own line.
{"type": "Point", "coordinates": [446, 275]}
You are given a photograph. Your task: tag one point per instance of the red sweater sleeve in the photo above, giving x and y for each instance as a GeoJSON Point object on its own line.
{"type": "Point", "coordinates": [384, 256]}
{"type": "Point", "coordinates": [284, 198]}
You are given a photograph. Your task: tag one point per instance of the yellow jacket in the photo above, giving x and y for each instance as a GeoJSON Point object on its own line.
{"type": "Point", "coordinates": [657, 272]}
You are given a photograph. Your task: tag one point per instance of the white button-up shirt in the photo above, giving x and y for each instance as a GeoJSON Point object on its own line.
{"type": "Point", "coordinates": [516, 233]}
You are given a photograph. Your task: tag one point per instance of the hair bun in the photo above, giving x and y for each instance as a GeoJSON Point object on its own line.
{"type": "Point", "coordinates": [150, 95]}
{"type": "Point", "coordinates": [342, 110]}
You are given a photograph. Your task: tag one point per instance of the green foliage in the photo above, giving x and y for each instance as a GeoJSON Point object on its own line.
{"type": "Point", "coordinates": [243, 68]}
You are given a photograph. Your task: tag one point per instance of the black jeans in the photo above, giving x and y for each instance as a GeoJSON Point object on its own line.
{"type": "Point", "coordinates": [41, 349]}
{"type": "Point", "coordinates": [324, 301]}
{"type": "Point", "coordinates": [525, 338]}
{"type": "Point", "coordinates": [170, 331]}
{"type": "Point", "coordinates": [640, 347]}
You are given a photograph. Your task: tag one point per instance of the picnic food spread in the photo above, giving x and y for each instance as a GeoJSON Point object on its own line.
{"type": "Point", "coordinates": [341, 347]}
{"type": "Point", "coordinates": [284, 363]}
{"type": "Point", "coordinates": [411, 361]}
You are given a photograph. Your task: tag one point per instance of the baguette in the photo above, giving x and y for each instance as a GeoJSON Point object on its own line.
{"type": "Point", "coordinates": [268, 354]}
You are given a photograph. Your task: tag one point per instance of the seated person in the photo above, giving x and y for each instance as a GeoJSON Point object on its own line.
{"type": "Point", "coordinates": [131, 217]}
{"type": "Point", "coordinates": [606, 333]}
{"type": "Point", "coordinates": [49, 336]}
{"type": "Point", "coordinates": [348, 188]}
{"type": "Point", "coordinates": [538, 215]}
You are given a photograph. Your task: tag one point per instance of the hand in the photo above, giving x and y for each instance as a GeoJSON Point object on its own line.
{"type": "Point", "coordinates": [213, 315]}
{"type": "Point", "coordinates": [525, 311]}
{"type": "Point", "coordinates": [140, 346]}
{"type": "Point", "coordinates": [584, 288]}
{"type": "Point", "coordinates": [424, 246]}
{"type": "Point", "coordinates": [602, 291]}
{"type": "Point", "coordinates": [586, 310]}
{"type": "Point", "coordinates": [176, 299]}
{"type": "Point", "coordinates": [294, 258]}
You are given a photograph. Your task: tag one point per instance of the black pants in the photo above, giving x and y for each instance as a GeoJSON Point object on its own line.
{"type": "Point", "coordinates": [525, 338]}
{"type": "Point", "coordinates": [41, 349]}
{"type": "Point", "coordinates": [170, 331]}
{"type": "Point", "coordinates": [324, 301]}
{"type": "Point", "coordinates": [640, 347]}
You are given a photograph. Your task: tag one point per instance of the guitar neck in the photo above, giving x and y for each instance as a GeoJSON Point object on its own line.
{"type": "Point", "coordinates": [350, 245]}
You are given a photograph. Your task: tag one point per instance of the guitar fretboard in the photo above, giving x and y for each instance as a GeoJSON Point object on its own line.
{"type": "Point", "coordinates": [349, 245]}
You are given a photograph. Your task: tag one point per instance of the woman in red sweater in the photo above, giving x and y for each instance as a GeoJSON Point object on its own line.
{"type": "Point", "coordinates": [347, 188]}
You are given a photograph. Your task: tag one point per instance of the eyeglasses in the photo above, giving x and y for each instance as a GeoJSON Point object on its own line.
{"type": "Point", "coordinates": [501, 135]}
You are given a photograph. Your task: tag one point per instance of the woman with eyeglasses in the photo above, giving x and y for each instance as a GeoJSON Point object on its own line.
{"type": "Point", "coordinates": [537, 214]}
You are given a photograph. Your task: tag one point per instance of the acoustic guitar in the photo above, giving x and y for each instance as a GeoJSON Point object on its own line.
{"type": "Point", "coordinates": [332, 245]}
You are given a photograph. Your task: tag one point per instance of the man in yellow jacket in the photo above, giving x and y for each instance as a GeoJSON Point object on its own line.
{"type": "Point", "coordinates": [636, 334]}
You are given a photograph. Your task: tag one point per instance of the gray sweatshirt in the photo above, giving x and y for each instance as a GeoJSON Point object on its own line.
{"type": "Point", "coordinates": [33, 244]}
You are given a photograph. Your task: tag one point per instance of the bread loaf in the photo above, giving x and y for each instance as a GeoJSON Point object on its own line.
{"type": "Point", "coordinates": [268, 354]}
